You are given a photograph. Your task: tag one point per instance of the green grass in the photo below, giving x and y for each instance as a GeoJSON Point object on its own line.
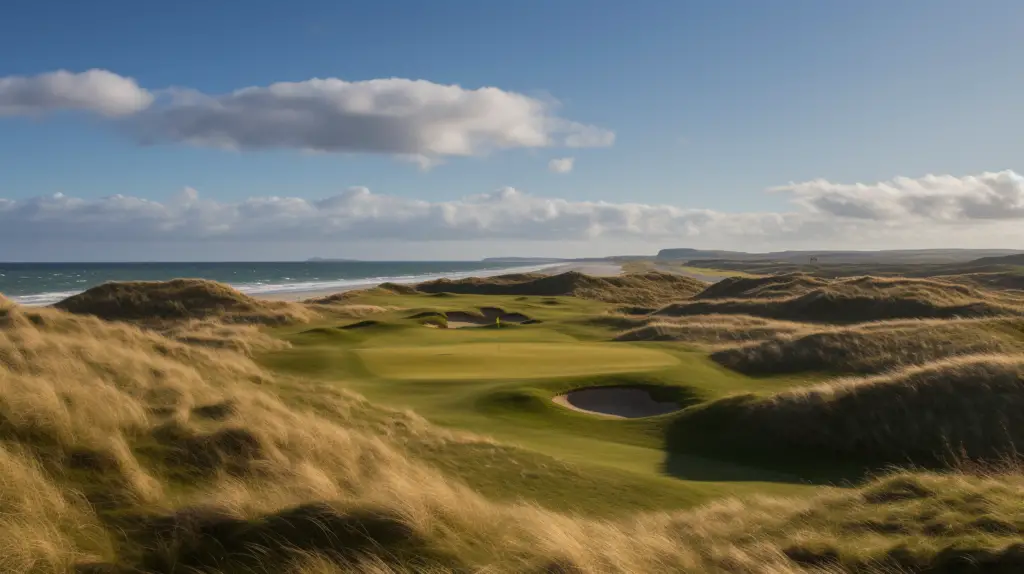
{"type": "Point", "coordinates": [509, 360]}
{"type": "Point", "coordinates": [499, 382]}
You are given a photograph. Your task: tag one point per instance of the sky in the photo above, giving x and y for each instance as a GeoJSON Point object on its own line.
{"type": "Point", "coordinates": [459, 129]}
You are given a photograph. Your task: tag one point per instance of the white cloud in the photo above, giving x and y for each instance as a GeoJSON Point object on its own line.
{"type": "Point", "coordinates": [973, 211]}
{"type": "Point", "coordinates": [998, 195]}
{"type": "Point", "coordinates": [96, 91]}
{"type": "Point", "coordinates": [561, 164]}
{"type": "Point", "coordinates": [415, 119]}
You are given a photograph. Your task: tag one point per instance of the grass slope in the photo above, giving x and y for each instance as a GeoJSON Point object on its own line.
{"type": "Point", "coordinates": [967, 408]}
{"type": "Point", "coordinates": [647, 288]}
{"type": "Point", "coordinates": [165, 447]}
{"type": "Point", "coordinates": [874, 347]}
{"type": "Point", "coordinates": [858, 299]}
{"type": "Point", "coordinates": [179, 299]}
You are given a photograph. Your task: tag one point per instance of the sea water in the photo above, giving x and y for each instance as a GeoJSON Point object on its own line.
{"type": "Point", "coordinates": [47, 283]}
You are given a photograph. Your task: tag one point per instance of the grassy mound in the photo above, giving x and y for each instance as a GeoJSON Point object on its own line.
{"type": "Point", "coordinates": [874, 347]}
{"type": "Point", "coordinates": [1013, 280]}
{"type": "Point", "coordinates": [969, 408]}
{"type": "Point", "coordinates": [649, 288]}
{"type": "Point", "coordinates": [766, 287]}
{"type": "Point", "coordinates": [179, 299]}
{"type": "Point", "coordinates": [851, 300]}
{"type": "Point", "coordinates": [123, 449]}
{"type": "Point", "coordinates": [711, 331]}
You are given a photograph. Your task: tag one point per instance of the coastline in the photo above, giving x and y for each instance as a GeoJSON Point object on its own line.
{"type": "Point", "coordinates": [311, 285]}
{"type": "Point", "coordinates": [596, 269]}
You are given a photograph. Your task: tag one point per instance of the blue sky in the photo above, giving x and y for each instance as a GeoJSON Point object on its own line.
{"type": "Point", "coordinates": [710, 103]}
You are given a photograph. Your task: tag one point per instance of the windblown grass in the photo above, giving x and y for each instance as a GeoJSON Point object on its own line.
{"type": "Point", "coordinates": [127, 448]}
{"type": "Point", "coordinates": [873, 347]}
{"type": "Point", "coordinates": [858, 299]}
{"type": "Point", "coordinates": [708, 331]}
{"type": "Point", "coordinates": [965, 408]}
{"type": "Point", "coordinates": [180, 299]}
{"type": "Point", "coordinates": [650, 288]}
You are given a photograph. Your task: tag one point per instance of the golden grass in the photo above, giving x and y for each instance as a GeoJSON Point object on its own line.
{"type": "Point", "coordinates": [124, 446]}
{"type": "Point", "coordinates": [708, 331]}
{"type": "Point", "coordinates": [873, 347]}
{"type": "Point", "coordinates": [964, 408]}
{"type": "Point", "coordinates": [851, 300]}
{"type": "Point", "coordinates": [181, 299]}
{"type": "Point", "coordinates": [649, 288]}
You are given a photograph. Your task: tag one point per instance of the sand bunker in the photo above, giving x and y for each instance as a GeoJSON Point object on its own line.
{"type": "Point", "coordinates": [615, 402]}
{"type": "Point", "coordinates": [485, 316]}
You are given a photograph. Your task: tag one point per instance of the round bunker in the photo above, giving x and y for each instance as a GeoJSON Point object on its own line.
{"type": "Point", "coordinates": [616, 402]}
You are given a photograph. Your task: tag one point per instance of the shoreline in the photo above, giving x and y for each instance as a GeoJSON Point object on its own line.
{"type": "Point", "coordinates": [595, 269]}
{"type": "Point", "coordinates": [297, 293]}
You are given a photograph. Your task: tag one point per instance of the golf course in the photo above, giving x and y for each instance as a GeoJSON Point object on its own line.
{"type": "Point", "coordinates": [646, 422]}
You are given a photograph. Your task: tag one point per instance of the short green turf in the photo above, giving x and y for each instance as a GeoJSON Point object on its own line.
{"type": "Point", "coordinates": [499, 382]}
{"type": "Point", "coordinates": [509, 360]}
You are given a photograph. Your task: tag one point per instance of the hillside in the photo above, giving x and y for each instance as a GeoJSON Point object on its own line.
{"type": "Point", "coordinates": [651, 288]}
{"type": "Point", "coordinates": [1012, 259]}
{"type": "Point", "coordinates": [176, 300]}
{"type": "Point", "coordinates": [199, 448]}
{"type": "Point", "coordinates": [891, 256]}
{"type": "Point", "coordinates": [942, 413]}
{"type": "Point", "coordinates": [874, 347]}
{"type": "Point", "coordinates": [858, 299]}
{"type": "Point", "coordinates": [707, 331]}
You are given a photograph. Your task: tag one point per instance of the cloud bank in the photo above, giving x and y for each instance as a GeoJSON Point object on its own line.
{"type": "Point", "coordinates": [415, 119]}
{"type": "Point", "coordinates": [561, 165]}
{"type": "Point", "coordinates": [980, 210]}
{"type": "Point", "coordinates": [97, 91]}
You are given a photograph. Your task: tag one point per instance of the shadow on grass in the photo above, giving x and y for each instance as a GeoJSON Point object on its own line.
{"type": "Point", "coordinates": [714, 441]}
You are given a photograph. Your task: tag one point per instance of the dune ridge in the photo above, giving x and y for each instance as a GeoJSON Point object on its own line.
{"type": "Point", "coordinates": [127, 448]}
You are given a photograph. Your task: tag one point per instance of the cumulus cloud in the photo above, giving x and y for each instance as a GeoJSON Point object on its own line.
{"type": "Point", "coordinates": [417, 120]}
{"type": "Point", "coordinates": [97, 91]}
{"type": "Point", "coordinates": [356, 213]}
{"type": "Point", "coordinates": [991, 195]}
{"type": "Point", "coordinates": [411, 118]}
{"type": "Point", "coordinates": [561, 164]}
{"type": "Point", "coordinates": [983, 210]}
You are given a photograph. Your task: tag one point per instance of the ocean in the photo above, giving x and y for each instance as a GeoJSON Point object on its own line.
{"type": "Point", "coordinates": [47, 283]}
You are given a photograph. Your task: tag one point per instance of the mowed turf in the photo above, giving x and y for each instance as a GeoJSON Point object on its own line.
{"type": "Point", "coordinates": [497, 360]}
{"type": "Point", "coordinates": [499, 382]}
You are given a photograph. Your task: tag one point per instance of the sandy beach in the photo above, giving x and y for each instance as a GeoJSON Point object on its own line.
{"type": "Point", "coordinates": [596, 268]}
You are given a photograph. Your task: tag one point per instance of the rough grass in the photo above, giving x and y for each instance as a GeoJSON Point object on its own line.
{"type": "Point", "coordinates": [180, 299]}
{"type": "Point", "coordinates": [873, 347]}
{"type": "Point", "coordinates": [966, 408]}
{"type": "Point", "coordinates": [125, 448]}
{"type": "Point", "coordinates": [650, 288]}
{"type": "Point", "coordinates": [766, 287]}
{"type": "Point", "coordinates": [707, 331]}
{"type": "Point", "coordinates": [857, 299]}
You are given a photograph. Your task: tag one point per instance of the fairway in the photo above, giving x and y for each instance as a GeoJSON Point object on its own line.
{"type": "Point", "coordinates": [510, 360]}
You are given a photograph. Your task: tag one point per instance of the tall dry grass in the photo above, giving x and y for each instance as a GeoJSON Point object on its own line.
{"type": "Point", "coordinates": [126, 447]}
{"type": "Point", "coordinates": [873, 347]}
{"type": "Point", "coordinates": [181, 299]}
{"type": "Point", "coordinates": [852, 300]}
{"type": "Point", "coordinates": [649, 288]}
{"type": "Point", "coordinates": [707, 331]}
{"type": "Point", "coordinates": [964, 408]}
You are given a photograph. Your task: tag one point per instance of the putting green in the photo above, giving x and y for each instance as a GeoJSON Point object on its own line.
{"type": "Point", "coordinates": [510, 360]}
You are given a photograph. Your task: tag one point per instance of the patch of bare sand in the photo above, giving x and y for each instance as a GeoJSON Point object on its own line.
{"type": "Point", "coordinates": [486, 316]}
{"type": "Point", "coordinates": [615, 402]}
